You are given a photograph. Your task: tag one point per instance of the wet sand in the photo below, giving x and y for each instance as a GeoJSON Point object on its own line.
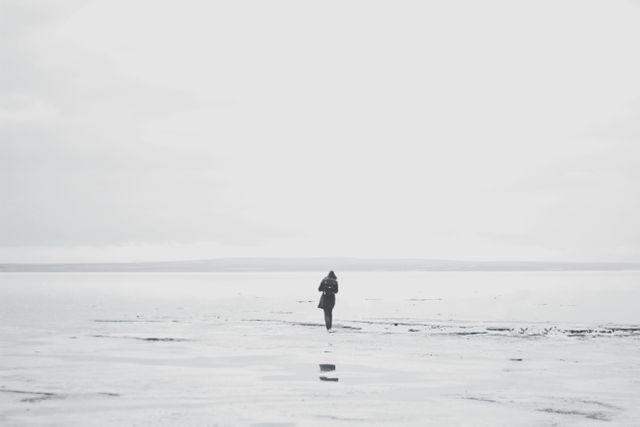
{"type": "Point", "coordinates": [410, 349]}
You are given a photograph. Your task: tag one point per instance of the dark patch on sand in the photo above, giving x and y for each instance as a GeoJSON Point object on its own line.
{"type": "Point", "coordinates": [133, 321]}
{"type": "Point", "coordinates": [331, 379]}
{"type": "Point", "coordinates": [165, 339]}
{"type": "Point", "coordinates": [531, 331]}
{"type": "Point", "coordinates": [153, 339]}
{"type": "Point", "coordinates": [617, 331]}
{"type": "Point", "coordinates": [400, 323]}
{"type": "Point", "coordinates": [576, 332]}
{"type": "Point", "coordinates": [287, 322]}
{"type": "Point", "coordinates": [36, 396]}
{"type": "Point", "coordinates": [516, 359]}
{"type": "Point", "coordinates": [480, 399]}
{"type": "Point", "coordinates": [594, 402]}
{"type": "Point", "coordinates": [468, 333]}
{"type": "Point", "coordinates": [39, 396]}
{"type": "Point", "coordinates": [592, 415]}
{"type": "Point", "coordinates": [630, 330]}
{"type": "Point", "coordinates": [355, 328]}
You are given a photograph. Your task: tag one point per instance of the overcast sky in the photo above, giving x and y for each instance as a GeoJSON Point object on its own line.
{"type": "Point", "coordinates": [489, 130]}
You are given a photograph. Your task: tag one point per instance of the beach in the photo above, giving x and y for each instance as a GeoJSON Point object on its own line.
{"type": "Point", "coordinates": [510, 348]}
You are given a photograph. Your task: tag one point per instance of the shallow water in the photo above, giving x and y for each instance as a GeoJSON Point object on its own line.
{"type": "Point", "coordinates": [249, 349]}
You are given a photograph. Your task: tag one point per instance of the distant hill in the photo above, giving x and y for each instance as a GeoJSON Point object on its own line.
{"type": "Point", "coordinates": [316, 264]}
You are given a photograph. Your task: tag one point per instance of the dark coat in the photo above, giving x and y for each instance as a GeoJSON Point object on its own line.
{"type": "Point", "coordinates": [329, 289]}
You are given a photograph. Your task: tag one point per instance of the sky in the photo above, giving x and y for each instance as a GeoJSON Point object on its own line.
{"type": "Point", "coordinates": [160, 130]}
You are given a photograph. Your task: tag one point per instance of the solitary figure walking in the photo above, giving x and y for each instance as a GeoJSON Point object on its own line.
{"type": "Point", "coordinates": [329, 289]}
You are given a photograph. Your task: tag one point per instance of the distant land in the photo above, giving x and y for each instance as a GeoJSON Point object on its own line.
{"type": "Point", "coordinates": [318, 264]}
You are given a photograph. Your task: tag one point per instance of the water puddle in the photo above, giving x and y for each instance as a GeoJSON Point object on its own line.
{"type": "Point", "coordinates": [327, 367]}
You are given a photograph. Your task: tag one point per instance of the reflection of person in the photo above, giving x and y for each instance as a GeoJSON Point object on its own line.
{"type": "Point", "coordinates": [329, 289]}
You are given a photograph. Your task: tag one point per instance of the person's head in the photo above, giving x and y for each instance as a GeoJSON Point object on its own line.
{"type": "Point", "coordinates": [332, 275]}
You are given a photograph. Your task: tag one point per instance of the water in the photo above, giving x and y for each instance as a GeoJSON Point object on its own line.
{"type": "Point", "coordinates": [442, 348]}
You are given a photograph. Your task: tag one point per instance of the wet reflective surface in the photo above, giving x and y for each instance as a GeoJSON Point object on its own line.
{"type": "Point", "coordinates": [240, 350]}
{"type": "Point", "coordinates": [327, 367]}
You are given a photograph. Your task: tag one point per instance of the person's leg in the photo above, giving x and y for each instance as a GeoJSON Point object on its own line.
{"type": "Point", "coordinates": [327, 318]}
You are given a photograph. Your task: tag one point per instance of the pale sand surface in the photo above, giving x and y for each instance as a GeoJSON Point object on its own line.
{"type": "Point", "coordinates": [245, 349]}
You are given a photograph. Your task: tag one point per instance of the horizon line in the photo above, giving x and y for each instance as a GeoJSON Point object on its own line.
{"type": "Point", "coordinates": [275, 264]}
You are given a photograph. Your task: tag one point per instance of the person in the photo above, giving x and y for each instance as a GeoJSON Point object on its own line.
{"type": "Point", "coordinates": [329, 289]}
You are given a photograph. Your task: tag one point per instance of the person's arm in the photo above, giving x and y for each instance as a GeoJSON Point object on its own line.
{"type": "Point", "coordinates": [321, 287]}
{"type": "Point", "coordinates": [336, 286]}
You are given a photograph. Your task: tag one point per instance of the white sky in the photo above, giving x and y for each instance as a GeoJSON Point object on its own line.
{"type": "Point", "coordinates": [150, 130]}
